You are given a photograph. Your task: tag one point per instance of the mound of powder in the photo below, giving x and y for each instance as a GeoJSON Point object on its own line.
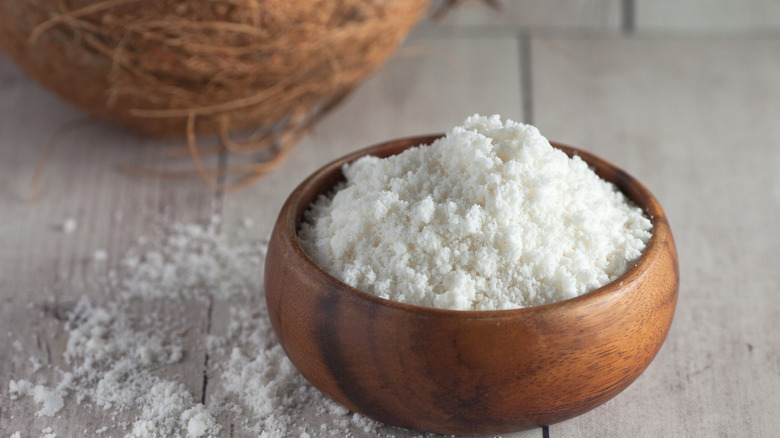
{"type": "Point", "coordinates": [489, 217]}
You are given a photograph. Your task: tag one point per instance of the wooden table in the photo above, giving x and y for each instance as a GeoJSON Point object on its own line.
{"type": "Point", "coordinates": [691, 111]}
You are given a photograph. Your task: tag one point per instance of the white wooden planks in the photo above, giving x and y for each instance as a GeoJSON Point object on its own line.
{"type": "Point", "coordinates": [44, 269]}
{"type": "Point", "coordinates": [701, 135]}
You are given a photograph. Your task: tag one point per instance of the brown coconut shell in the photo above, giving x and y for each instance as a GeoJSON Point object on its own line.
{"type": "Point", "coordinates": [165, 66]}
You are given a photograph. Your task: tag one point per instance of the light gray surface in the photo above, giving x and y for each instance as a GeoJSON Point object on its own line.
{"type": "Point", "coordinates": [718, 16]}
{"type": "Point", "coordinates": [577, 15]}
{"type": "Point", "coordinates": [693, 117]}
{"type": "Point", "coordinates": [701, 135]}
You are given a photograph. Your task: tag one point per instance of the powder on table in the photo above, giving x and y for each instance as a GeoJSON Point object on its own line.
{"type": "Point", "coordinates": [69, 226]}
{"type": "Point", "coordinates": [50, 399]}
{"type": "Point", "coordinates": [118, 351]}
{"type": "Point", "coordinates": [489, 217]}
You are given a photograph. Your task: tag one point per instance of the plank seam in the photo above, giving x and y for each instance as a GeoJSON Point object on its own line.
{"type": "Point", "coordinates": [204, 388]}
{"type": "Point", "coordinates": [628, 19]}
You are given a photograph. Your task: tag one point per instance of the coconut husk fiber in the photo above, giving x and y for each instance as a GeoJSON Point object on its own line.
{"type": "Point", "coordinates": [182, 68]}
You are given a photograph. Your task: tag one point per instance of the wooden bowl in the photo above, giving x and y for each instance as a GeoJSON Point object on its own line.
{"type": "Point", "coordinates": [468, 372]}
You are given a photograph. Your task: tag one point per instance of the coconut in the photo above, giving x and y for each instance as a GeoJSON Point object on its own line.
{"type": "Point", "coordinates": [152, 65]}
{"type": "Point", "coordinates": [180, 68]}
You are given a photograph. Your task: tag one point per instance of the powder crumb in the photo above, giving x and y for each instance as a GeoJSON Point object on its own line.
{"type": "Point", "coordinates": [365, 424]}
{"type": "Point", "coordinates": [17, 345]}
{"type": "Point", "coordinates": [488, 217]}
{"type": "Point", "coordinates": [169, 411]}
{"type": "Point", "coordinates": [100, 255]}
{"type": "Point", "coordinates": [248, 222]}
{"type": "Point", "coordinates": [215, 344]}
{"type": "Point", "coordinates": [35, 363]}
{"type": "Point", "coordinates": [50, 400]}
{"type": "Point", "coordinates": [69, 226]}
{"type": "Point", "coordinates": [47, 432]}
{"type": "Point", "coordinates": [16, 435]}
{"type": "Point", "coordinates": [336, 409]}
{"type": "Point", "coordinates": [200, 423]}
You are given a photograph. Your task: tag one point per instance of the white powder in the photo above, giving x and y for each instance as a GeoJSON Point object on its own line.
{"type": "Point", "coordinates": [35, 364]}
{"type": "Point", "coordinates": [110, 364]}
{"type": "Point", "coordinates": [119, 353]}
{"type": "Point", "coordinates": [192, 262]}
{"type": "Point", "coordinates": [69, 226]}
{"type": "Point", "coordinates": [114, 350]}
{"type": "Point", "coordinates": [169, 410]}
{"type": "Point", "coordinates": [100, 255]}
{"type": "Point", "coordinates": [489, 217]}
{"type": "Point", "coordinates": [49, 399]}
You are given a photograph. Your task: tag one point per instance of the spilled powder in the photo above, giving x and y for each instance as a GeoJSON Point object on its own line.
{"type": "Point", "coordinates": [49, 400]}
{"type": "Point", "coordinates": [69, 226]}
{"type": "Point", "coordinates": [137, 358]}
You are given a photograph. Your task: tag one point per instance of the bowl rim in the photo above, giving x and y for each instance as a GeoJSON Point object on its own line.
{"type": "Point", "coordinates": [660, 234]}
